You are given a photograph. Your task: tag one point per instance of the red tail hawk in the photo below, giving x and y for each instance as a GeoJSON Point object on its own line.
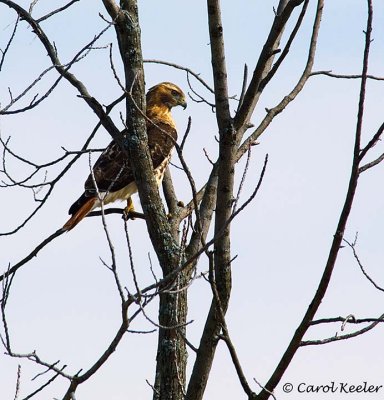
{"type": "Point", "coordinates": [112, 171]}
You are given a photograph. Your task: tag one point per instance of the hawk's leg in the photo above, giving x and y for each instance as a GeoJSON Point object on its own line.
{"type": "Point", "coordinates": [129, 209]}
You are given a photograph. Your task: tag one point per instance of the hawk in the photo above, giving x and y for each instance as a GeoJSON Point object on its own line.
{"type": "Point", "coordinates": [112, 171]}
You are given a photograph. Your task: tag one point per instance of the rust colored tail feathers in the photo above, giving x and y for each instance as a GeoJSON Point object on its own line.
{"type": "Point", "coordinates": [80, 209]}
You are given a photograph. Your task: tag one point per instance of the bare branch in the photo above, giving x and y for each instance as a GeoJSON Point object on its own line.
{"type": "Point", "coordinates": [105, 120]}
{"type": "Point", "coordinates": [17, 390]}
{"type": "Point", "coordinates": [101, 197]}
{"type": "Point", "coordinates": [64, 171]}
{"type": "Point", "coordinates": [287, 47]}
{"type": "Point", "coordinates": [186, 133]}
{"type": "Point", "coordinates": [34, 252]}
{"type": "Point", "coordinates": [342, 76]}
{"type": "Point", "coordinates": [375, 138]}
{"type": "Point", "coordinates": [189, 71]}
{"type": "Point", "coordinates": [200, 99]}
{"type": "Point", "coordinates": [353, 247]}
{"type": "Point", "coordinates": [35, 102]}
{"type": "Point", "coordinates": [347, 320]}
{"type": "Point", "coordinates": [272, 113]}
{"type": "Point", "coordinates": [38, 390]}
{"type": "Point", "coordinates": [244, 86]}
{"type": "Point", "coordinates": [371, 164]}
{"type": "Point", "coordinates": [343, 337]}
{"type": "Point", "coordinates": [56, 11]}
{"type": "Point", "coordinates": [265, 59]}
{"type": "Point", "coordinates": [264, 388]}
{"type": "Point", "coordinates": [8, 45]}
{"type": "Point", "coordinates": [242, 179]}
{"type": "Point", "coordinates": [37, 360]}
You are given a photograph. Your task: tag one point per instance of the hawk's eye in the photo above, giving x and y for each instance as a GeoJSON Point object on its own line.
{"type": "Point", "coordinates": [175, 93]}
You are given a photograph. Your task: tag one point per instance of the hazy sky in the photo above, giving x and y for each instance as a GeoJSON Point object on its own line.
{"type": "Point", "coordinates": [64, 303]}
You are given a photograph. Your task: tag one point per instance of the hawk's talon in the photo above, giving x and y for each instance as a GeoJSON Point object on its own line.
{"type": "Point", "coordinates": [127, 215]}
{"type": "Point", "coordinates": [129, 210]}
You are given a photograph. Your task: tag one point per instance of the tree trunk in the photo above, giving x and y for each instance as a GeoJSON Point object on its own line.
{"type": "Point", "coordinates": [171, 351]}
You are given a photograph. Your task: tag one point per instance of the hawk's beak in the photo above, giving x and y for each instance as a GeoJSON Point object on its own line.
{"type": "Point", "coordinates": [183, 104]}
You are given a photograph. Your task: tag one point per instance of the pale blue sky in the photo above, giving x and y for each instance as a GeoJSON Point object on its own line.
{"type": "Point", "coordinates": [64, 303]}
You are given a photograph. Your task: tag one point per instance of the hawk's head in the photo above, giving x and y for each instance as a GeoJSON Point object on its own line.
{"type": "Point", "coordinates": [167, 94]}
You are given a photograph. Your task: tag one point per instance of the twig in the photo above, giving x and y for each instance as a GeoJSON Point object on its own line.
{"type": "Point", "coordinates": [375, 138]}
{"type": "Point", "coordinates": [186, 133]}
{"type": "Point", "coordinates": [101, 197]}
{"type": "Point", "coordinates": [152, 387]}
{"type": "Point", "coordinates": [151, 268]}
{"type": "Point", "coordinates": [244, 86]}
{"type": "Point", "coordinates": [349, 317]}
{"type": "Point", "coordinates": [42, 386]}
{"type": "Point", "coordinates": [242, 179]}
{"type": "Point", "coordinates": [353, 247]}
{"type": "Point", "coordinates": [34, 252]}
{"type": "Point", "coordinates": [200, 99]}
{"type": "Point", "coordinates": [18, 380]}
{"type": "Point", "coordinates": [56, 11]}
{"type": "Point", "coordinates": [371, 164]}
{"type": "Point", "coordinates": [342, 76]}
{"type": "Point", "coordinates": [131, 263]}
{"type": "Point", "coordinates": [32, 5]}
{"type": "Point", "coordinates": [189, 71]}
{"type": "Point", "coordinates": [264, 388]}
{"type": "Point", "coordinates": [4, 52]}
{"type": "Point", "coordinates": [37, 360]}
{"type": "Point", "coordinates": [207, 156]}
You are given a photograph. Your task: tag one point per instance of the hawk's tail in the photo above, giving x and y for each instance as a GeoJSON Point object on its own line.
{"type": "Point", "coordinates": [82, 212]}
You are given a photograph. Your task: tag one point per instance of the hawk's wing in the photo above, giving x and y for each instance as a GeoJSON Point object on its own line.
{"type": "Point", "coordinates": [112, 170]}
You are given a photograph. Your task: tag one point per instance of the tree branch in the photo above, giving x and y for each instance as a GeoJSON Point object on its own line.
{"type": "Point", "coordinates": [8, 45]}
{"type": "Point", "coordinates": [226, 169]}
{"type": "Point", "coordinates": [187, 70]}
{"type": "Point", "coordinates": [105, 120]}
{"type": "Point", "coordinates": [343, 337]}
{"type": "Point", "coordinates": [56, 11]}
{"type": "Point", "coordinates": [264, 63]}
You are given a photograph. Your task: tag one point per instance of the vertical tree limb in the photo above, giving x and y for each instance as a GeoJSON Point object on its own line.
{"type": "Point", "coordinates": [224, 198]}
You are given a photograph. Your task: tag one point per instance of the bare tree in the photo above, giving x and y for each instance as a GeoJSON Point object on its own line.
{"type": "Point", "coordinates": [182, 235]}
